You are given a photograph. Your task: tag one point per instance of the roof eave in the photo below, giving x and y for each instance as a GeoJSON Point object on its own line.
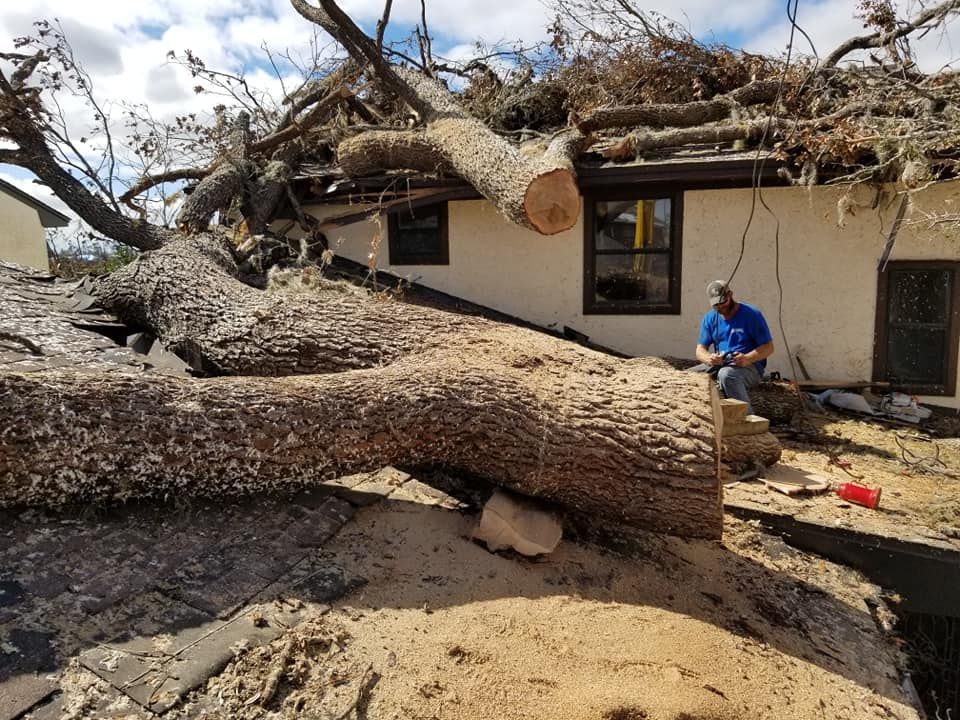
{"type": "Point", "coordinates": [49, 217]}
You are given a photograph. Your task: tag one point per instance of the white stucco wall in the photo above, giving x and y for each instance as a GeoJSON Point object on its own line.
{"type": "Point", "coordinates": [828, 272]}
{"type": "Point", "coordinates": [21, 234]}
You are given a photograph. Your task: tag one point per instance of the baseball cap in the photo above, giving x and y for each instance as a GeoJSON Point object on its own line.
{"type": "Point", "coordinates": [716, 292]}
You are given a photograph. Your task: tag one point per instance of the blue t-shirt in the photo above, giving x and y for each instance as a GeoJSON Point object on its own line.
{"type": "Point", "coordinates": [745, 331]}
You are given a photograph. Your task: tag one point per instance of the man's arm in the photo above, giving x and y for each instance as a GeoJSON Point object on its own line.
{"type": "Point", "coordinates": [756, 355]}
{"type": "Point", "coordinates": [707, 357]}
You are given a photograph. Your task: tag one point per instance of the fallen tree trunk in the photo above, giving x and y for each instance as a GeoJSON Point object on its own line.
{"type": "Point", "coordinates": [388, 383]}
{"type": "Point", "coordinates": [186, 295]}
{"type": "Point", "coordinates": [540, 195]}
{"type": "Point", "coordinates": [634, 445]}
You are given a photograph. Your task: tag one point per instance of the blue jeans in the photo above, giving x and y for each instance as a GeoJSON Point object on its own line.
{"type": "Point", "coordinates": [735, 382]}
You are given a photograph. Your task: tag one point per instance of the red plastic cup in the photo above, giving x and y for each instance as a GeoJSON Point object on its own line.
{"type": "Point", "coordinates": [859, 494]}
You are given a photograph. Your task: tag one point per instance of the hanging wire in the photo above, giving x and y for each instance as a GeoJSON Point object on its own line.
{"type": "Point", "coordinates": [760, 158]}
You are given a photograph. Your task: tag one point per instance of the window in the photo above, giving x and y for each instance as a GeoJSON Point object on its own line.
{"type": "Point", "coordinates": [418, 236]}
{"type": "Point", "coordinates": [918, 307]}
{"type": "Point", "coordinates": [632, 255]}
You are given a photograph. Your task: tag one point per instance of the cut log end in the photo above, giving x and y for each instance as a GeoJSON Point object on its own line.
{"type": "Point", "coordinates": [749, 449]}
{"type": "Point", "coordinates": [552, 202]}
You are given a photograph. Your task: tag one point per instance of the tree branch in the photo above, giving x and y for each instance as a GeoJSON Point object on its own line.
{"type": "Point", "coordinates": [149, 181]}
{"type": "Point", "coordinates": [863, 42]}
{"type": "Point", "coordinates": [423, 40]}
{"type": "Point", "coordinates": [339, 25]}
{"type": "Point", "coordinates": [382, 24]}
{"type": "Point", "coordinates": [376, 150]}
{"type": "Point", "coordinates": [697, 112]}
{"type": "Point", "coordinates": [298, 127]}
{"type": "Point", "coordinates": [316, 90]}
{"type": "Point", "coordinates": [34, 154]}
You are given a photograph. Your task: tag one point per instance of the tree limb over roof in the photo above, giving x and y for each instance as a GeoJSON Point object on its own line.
{"type": "Point", "coordinates": [615, 81]}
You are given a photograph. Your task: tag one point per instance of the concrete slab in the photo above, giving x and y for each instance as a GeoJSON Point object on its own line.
{"type": "Point", "coordinates": [50, 709]}
{"type": "Point", "coordinates": [267, 558]}
{"type": "Point", "coordinates": [316, 526]}
{"type": "Point", "coordinates": [153, 614]}
{"type": "Point", "coordinates": [21, 692]}
{"type": "Point", "coordinates": [26, 657]}
{"type": "Point", "coordinates": [415, 491]}
{"type": "Point", "coordinates": [158, 679]}
{"type": "Point", "coordinates": [326, 585]}
{"type": "Point", "coordinates": [224, 595]}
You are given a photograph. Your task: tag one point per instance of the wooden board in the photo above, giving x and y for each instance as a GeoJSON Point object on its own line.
{"type": "Point", "coordinates": [794, 481]}
{"type": "Point", "coordinates": [840, 384]}
{"type": "Point", "coordinates": [734, 411]}
{"type": "Point", "coordinates": [750, 425]}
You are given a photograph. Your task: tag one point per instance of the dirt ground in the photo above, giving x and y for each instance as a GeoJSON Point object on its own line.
{"type": "Point", "coordinates": [917, 468]}
{"type": "Point", "coordinates": [609, 627]}
{"type": "Point", "coordinates": [661, 629]}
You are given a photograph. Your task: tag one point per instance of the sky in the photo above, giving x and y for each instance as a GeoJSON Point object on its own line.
{"type": "Point", "coordinates": [123, 44]}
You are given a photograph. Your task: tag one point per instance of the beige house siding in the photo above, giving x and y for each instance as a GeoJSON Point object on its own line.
{"type": "Point", "coordinates": [828, 272]}
{"type": "Point", "coordinates": [21, 234]}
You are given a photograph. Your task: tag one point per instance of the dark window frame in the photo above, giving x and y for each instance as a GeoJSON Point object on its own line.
{"type": "Point", "coordinates": [881, 334]}
{"type": "Point", "coordinates": [590, 304]}
{"type": "Point", "coordinates": [397, 254]}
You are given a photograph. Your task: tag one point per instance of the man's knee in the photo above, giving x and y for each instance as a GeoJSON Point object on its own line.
{"type": "Point", "coordinates": [733, 383]}
{"type": "Point", "coordinates": [727, 375]}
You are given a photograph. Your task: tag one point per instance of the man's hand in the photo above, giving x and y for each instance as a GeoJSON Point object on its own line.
{"type": "Point", "coordinates": [716, 359]}
{"type": "Point", "coordinates": [741, 360]}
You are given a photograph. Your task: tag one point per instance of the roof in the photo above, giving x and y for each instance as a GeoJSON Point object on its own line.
{"type": "Point", "coordinates": [49, 217]}
{"type": "Point", "coordinates": [700, 167]}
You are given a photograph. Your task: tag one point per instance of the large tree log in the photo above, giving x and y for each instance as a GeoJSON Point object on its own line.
{"type": "Point", "coordinates": [186, 295]}
{"type": "Point", "coordinates": [612, 437]}
{"type": "Point", "coordinates": [541, 195]}
{"type": "Point", "coordinates": [633, 446]}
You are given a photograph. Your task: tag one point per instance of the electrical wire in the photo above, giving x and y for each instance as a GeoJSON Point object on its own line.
{"type": "Point", "coordinates": [756, 191]}
{"type": "Point", "coordinates": [758, 163]}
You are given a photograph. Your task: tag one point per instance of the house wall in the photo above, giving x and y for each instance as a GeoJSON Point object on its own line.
{"type": "Point", "coordinates": [828, 272]}
{"type": "Point", "coordinates": [21, 234]}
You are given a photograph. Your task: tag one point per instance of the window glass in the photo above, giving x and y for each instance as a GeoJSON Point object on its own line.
{"type": "Point", "coordinates": [418, 236]}
{"type": "Point", "coordinates": [917, 340]}
{"type": "Point", "coordinates": [919, 296]}
{"type": "Point", "coordinates": [916, 356]}
{"type": "Point", "coordinates": [633, 278]}
{"type": "Point", "coordinates": [632, 256]}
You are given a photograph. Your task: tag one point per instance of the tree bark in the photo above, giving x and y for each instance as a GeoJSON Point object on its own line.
{"type": "Point", "coordinates": [688, 114]}
{"type": "Point", "coordinates": [100, 216]}
{"type": "Point", "coordinates": [374, 150]}
{"type": "Point", "coordinates": [538, 194]}
{"type": "Point", "coordinates": [633, 445]}
{"type": "Point", "coordinates": [542, 196]}
{"type": "Point", "coordinates": [185, 293]}
{"type": "Point", "coordinates": [931, 16]}
{"type": "Point", "coordinates": [389, 383]}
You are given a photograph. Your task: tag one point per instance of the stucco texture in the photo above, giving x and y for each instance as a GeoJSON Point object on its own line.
{"type": "Point", "coordinates": [21, 234]}
{"type": "Point", "coordinates": [828, 270]}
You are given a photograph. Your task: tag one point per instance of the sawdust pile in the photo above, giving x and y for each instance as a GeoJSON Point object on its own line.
{"type": "Point", "coordinates": [663, 629]}
{"type": "Point", "coordinates": [919, 473]}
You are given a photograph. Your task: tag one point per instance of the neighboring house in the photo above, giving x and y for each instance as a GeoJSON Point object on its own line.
{"type": "Point", "coordinates": [631, 275]}
{"type": "Point", "coordinates": [23, 220]}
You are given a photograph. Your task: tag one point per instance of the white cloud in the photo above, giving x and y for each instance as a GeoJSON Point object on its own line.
{"type": "Point", "coordinates": [831, 22]}
{"type": "Point", "coordinates": [163, 85]}
{"type": "Point", "coordinates": [124, 43]}
{"type": "Point", "coordinates": [25, 181]}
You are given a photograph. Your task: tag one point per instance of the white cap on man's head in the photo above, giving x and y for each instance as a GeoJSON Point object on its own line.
{"type": "Point", "coordinates": [717, 292]}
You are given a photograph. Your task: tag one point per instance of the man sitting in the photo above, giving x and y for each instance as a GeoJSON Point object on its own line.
{"type": "Point", "coordinates": [740, 342]}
